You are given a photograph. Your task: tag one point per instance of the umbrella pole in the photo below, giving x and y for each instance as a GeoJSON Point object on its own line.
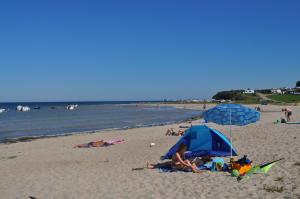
{"type": "Point", "coordinates": [230, 133]}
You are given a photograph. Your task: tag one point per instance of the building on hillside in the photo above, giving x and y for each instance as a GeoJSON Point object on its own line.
{"type": "Point", "coordinates": [196, 100]}
{"type": "Point", "coordinates": [294, 91]}
{"type": "Point", "coordinates": [249, 91]}
{"type": "Point", "coordinates": [277, 91]}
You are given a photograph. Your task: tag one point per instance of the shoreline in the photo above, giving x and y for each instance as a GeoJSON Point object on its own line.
{"type": "Point", "coordinates": [190, 106]}
{"type": "Point", "coordinates": [32, 138]}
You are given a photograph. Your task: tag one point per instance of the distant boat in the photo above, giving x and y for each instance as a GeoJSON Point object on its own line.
{"type": "Point", "coordinates": [37, 108]}
{"type": "Point", "coordinates": [71, 107]}
{"type": "Point", "coordinates": [52, 107]}
{"type": "Point", "coordinates": [2, 110]}
{"type": "Point", "coordinates": [23, 108]}
{"type": "Point", "coordinates": [19, 108]}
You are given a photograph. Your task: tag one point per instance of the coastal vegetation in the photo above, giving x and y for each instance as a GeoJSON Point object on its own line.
{"type": "Point", "coordinates": [279, 95]}
{"type": "Point", "coordinates": [238, 96]}
{"type": "Point", "coordinates": [258, 96]}
{"type": "Point", "coordinates": [287, 98]}
{"type": "Point", "coordinates": [229, 95]}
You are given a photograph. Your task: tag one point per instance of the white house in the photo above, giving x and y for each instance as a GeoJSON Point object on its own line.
{"type": "Point", "coordinates": [276, 91]}
{"type": "Point", "coordinates": [249, 91]}
{"type": "Point", "coordinates": [196, 100]}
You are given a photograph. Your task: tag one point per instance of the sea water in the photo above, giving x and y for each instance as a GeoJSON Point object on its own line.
{"type": "Point", "coordinates": [53, 119]}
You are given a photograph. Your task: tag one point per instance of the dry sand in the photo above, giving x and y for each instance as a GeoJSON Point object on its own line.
{"type": "Point", "coordinates": [51, 168]}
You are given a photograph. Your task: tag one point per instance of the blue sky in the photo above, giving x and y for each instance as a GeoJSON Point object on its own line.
{"type": "Point", "coordinates": [140, 50]}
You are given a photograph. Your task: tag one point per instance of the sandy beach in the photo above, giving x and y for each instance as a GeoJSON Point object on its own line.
{"type": "Point", "coordinates": [52, 168]}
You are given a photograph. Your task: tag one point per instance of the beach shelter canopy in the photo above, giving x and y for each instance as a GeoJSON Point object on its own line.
{"type": "Point", "coordinates": [203, 141]}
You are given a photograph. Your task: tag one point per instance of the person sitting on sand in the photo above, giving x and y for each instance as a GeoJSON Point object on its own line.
{"type": "Point", "coordinates": [170, 131]}
{"type": "Point", "coordinates": [180, 132]}
{"type": "Point", "coordinates": [178, 162]}
{"type": "Point", "coordinates": [288, 114]}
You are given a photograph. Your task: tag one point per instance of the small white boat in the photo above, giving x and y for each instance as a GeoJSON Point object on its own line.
{"type": "Point", "coordinates": [23, 108]}
{"type": "Point", "coordinates": [2, 110]}
{"type": "Point", "coordinates": [19, 108]}
{"type": "Point", "coordinates": [71, 107]}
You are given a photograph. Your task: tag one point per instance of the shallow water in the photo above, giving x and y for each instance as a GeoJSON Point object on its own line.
{"type": "Point", "coordinates": [87, 117]}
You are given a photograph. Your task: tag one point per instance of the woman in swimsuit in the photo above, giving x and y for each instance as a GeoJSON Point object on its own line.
{"type": "Point", "coordinates": [178, 161]}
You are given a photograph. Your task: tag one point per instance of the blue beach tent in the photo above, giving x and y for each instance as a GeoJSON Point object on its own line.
{"type": "Point", "coordinates": [203, 141]}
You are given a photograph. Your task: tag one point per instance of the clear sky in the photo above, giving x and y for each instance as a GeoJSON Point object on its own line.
{"type": "Point", "coordinates": [141, 50]}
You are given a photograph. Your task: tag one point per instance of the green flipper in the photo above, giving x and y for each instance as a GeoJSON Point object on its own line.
{"type": "Point", "coordinates": [264, 168]}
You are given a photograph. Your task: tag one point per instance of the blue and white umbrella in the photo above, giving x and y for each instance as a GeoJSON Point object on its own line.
{"type": "Point", "coordinates": [231, 114]}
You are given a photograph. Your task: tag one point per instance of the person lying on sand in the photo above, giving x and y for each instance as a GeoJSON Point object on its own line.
{"type": "Point", "coordinates": [171, 131]}
{"type": "Point", "coordinates": [99, 143]}
{"type": "Point", "coordinates": [178, 162]}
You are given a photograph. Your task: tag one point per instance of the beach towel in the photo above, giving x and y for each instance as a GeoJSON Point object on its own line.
{"type": "Point", "coordinates": [168, 169]}
{"type": "Point", "coordinates": [292, 122]}
{"type": "Point", "coordinates": [210, 166]}
{"type": "Point", "coordinates": [100, 143]}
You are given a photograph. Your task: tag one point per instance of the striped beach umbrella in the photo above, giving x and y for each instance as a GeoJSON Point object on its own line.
{"type": "Point", "coordinates": [231, 114]}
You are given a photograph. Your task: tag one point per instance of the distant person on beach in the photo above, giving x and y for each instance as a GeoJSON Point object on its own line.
{"type": "Point", "coordinates": [98, 143]}
{"type": "Point", "coordinates": [288, 114]}
{"type": "Point", "coordinates": [180, 132]}
{"type": "Point", "coordinates": [178, 162]}
{"type": "Point", "coordinates": [171, 131]}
